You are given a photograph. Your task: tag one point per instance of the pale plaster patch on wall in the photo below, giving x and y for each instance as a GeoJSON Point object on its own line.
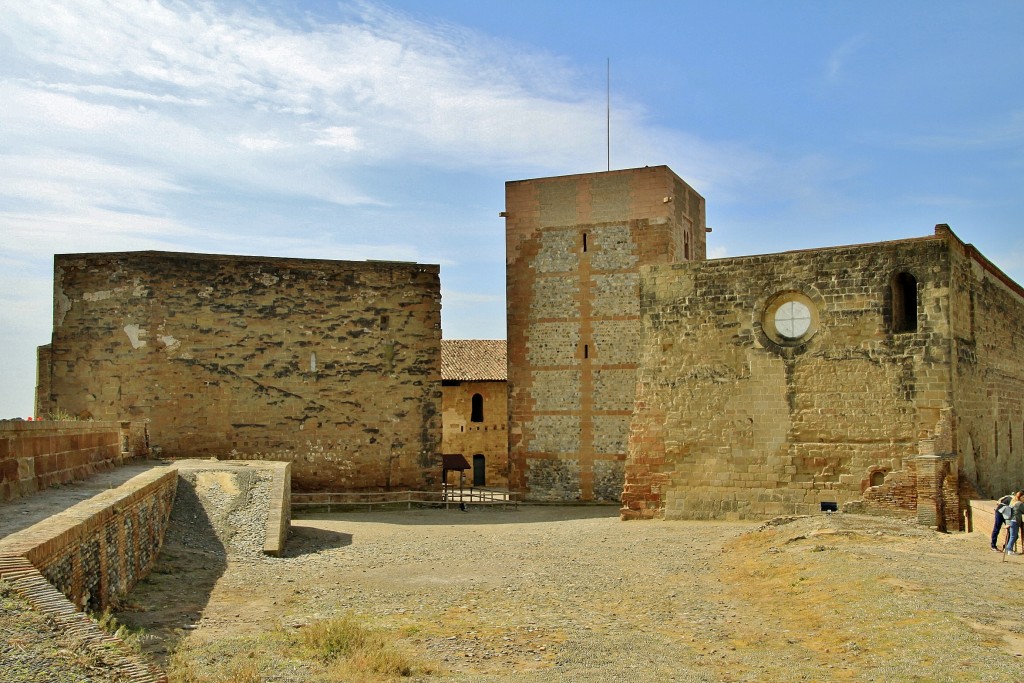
{"type": "Point", "coordinates": [205, 292]}
{"type": "Point", "coordinates": [98, 296]}
{"type": "Point", "coordinates": [61, 302]}
{"type": "Point", "coordinates": [169, 341]}
{"type": "Point", "coordinates": [135, 334]}
{"type": "Point", "coordinates": [266, 279]}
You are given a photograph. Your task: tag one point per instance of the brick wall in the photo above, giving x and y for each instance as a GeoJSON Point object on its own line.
{"type": "Point", "coordinates": [734, 421]}
{"type": "Point", "coordinates": [488, 437]}
{"type": "Point", "coordinates": [333, 366]}
{"type": "Point", "coordinates": [36, 455]}
{"type": "Point", "coordinates": [574, 245]}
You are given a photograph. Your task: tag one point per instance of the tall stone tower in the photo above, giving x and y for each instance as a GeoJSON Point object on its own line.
{"type": "Point", "coordinates": [574, 247]}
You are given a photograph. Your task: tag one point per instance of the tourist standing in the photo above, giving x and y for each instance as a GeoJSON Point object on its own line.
{"type": "Point", "coordinates": [1003, 502]}
{"type": "Point", "coordinates": [1017, 506]}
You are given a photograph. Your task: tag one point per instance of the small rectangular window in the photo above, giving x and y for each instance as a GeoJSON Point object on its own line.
{"type": "Point", "coordinates": [384, 321]}
{"type": "Point", "coordinates": [584, 241]}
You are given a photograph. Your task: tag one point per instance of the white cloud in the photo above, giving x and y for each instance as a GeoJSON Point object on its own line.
{"type": "Point", "coordinates": [841, 55]}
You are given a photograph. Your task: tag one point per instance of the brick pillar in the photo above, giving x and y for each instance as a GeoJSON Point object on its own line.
{"type": "Point", "coordinates": [938, 504]}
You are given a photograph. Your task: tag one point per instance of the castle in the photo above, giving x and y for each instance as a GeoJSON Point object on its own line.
{"type": "Point", "coordinates": [881, 377]}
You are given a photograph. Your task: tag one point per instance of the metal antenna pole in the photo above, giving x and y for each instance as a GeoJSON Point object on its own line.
{"type": "Point", "coordinates": [608, 114]}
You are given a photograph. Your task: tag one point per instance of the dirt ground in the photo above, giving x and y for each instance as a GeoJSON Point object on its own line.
{"type": "Point", "coordinates": [574, 594]}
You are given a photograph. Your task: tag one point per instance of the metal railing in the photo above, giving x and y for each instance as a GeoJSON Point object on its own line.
{"type": "Point", "coordinates": [449, 496]}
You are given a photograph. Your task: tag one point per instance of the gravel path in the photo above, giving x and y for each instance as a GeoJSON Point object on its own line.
{"type": "Point", "coordinates": [573, 594]}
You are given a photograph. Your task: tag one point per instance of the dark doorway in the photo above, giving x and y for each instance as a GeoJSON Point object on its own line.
{"type": "Point", "coordinates": [904, 303]}
{"type": "Point", "coordinates": [479, 470]}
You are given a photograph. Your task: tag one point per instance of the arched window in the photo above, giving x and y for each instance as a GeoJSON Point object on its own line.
{"type": "Point", "coordinates": [877, 478]}
{"type": "Point", "coordinates": [477, 414]}
{"type": "Point", "coordinates": [904, 303]}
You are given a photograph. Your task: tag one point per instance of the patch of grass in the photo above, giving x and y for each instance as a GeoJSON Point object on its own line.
{"type": "Point", "coordinates": [347, 642]}
{"type": "Point", "coordinates": [185, 668]}
{"type": "Point", "coordinates": [133, 638]}
{"type": "Point", "coordinates": [338, 650]}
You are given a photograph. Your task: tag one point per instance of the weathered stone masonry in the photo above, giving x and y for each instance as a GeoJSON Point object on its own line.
{"type": "Point", "coordinates": [574, 245]}
{"type": "Point", "coordinates": [908, 376]}
{"type": "Point", "coordinates": [334, 366]}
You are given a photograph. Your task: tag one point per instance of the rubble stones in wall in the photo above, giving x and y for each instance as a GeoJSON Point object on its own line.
{"type": "Point", "coordinates": [554, 480]}
{"type": "Point", "coordinates": [608, 480]}
{"type": "Point", "coordinates": [613, 248]}
{"type": "Point", "coordinates": [616, 295]}
{"type": "Point", "coordinates": [616, 341]}
{"type": "Point", "coordinates": [554, 434]}
{"type": "Point", "coordinates": [553, 344]}
{"type": "Point", "coordinates": [611, 434]}
{"type": "Point", "coordinates": [614, 389]}
{"type": "Point", "coordinates": [559, 251]}
{"type": "Point", "coordinates": [555, 390]}
{"type": "Point", "coordinates": [556, 297]}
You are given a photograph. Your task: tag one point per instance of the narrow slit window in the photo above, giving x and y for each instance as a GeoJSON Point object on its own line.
{"type": "Point", "coordinates": [384, 322]}
{"type": "Point", "coordinates": [584, 242]}
{"type": "Point", "coordinates": [586, 350]}
{"type": "Point", "coordinates": [477, 408]}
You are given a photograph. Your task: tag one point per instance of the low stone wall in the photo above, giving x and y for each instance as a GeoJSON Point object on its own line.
{"type": "Point", "coordinates": [91, 554]}
{"type": "Point", "coordinates": [279, 518]}
{"type": "Point", "coordinates": [95, 551]}
{"type": "Point", "coordinates": [37, 455]}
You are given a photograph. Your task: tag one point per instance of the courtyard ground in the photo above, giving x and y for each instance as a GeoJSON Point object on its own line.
{"type": "Point", "coordinates": [574, 594]}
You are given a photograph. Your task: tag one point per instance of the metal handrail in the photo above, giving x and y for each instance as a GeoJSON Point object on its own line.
{"type": "Point", "coordinates": [448, 496]}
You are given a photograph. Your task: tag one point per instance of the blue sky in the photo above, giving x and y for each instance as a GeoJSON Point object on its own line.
{"type": "Point", "coordinates": [386, 131]}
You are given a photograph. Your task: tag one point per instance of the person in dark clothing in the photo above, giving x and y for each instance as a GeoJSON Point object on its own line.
{"type": "Point", "coordinates": [1004, 501]}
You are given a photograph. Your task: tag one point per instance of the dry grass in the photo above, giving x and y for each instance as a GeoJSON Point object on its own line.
{"type": "Point", "coordinates": [350, 648]}
{"type": "Point", "coordinates": [337, 650]}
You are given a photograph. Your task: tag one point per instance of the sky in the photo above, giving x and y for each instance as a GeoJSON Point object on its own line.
{"type": "Point", "coordinates": [369, 130]}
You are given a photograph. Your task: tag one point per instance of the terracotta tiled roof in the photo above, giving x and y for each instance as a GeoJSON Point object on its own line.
{"type": "Point", "coordinates": [478, 360]}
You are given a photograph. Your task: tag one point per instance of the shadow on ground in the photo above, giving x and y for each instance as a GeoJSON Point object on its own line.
{"type": "Point", "coordinates": [162, 606]}
{"type": "Point", "coordinates": [304, 540]}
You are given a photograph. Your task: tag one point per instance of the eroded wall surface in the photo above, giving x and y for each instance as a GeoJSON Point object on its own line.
{"type": "Point", "coordinates": [734, 421]}
{"type": "Point", "coordinates": [574, 245]}
{"type": "Point", "coordinates": [333, 366]}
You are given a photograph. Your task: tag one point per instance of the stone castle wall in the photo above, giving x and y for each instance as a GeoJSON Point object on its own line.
{"type": "Point", "coordinates": [574, 246]}
{"type": "Point", "coordinates": [37, 455]}
{"type": "Point", "coordinates": [488, 437]}
{"type": "Point", "coordinates": [333, 366]}
{"type": "Point", "coordinates": [988, 372]}
{"type": "Point", "coordinates": [735, 421]}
